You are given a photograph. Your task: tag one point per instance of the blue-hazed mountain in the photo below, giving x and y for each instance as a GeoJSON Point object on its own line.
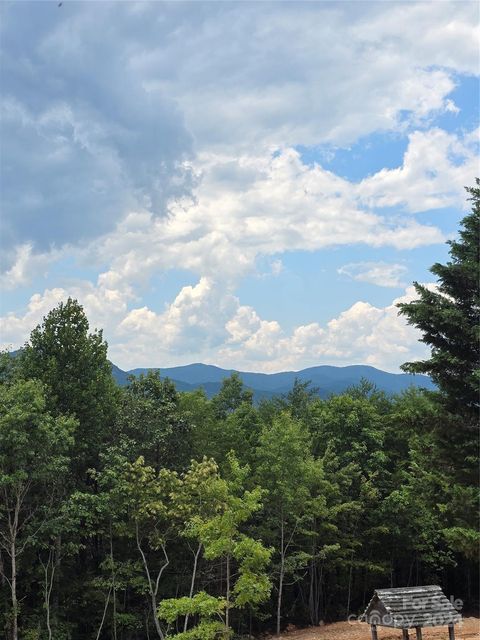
{"type": "Point", "coordinates": [327, 379]}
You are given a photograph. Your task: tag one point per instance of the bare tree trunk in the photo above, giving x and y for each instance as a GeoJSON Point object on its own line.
{"type": "Point", "coordinates": [350, 583]}
{"type": "Point", "coordinates": [107, 600]}
{"type": "Point", "coordinates": [9, 544]}
{"type": "Point", "coordinates": [312, 591]}
{"type": "Point", "coordinates": [2, 570]}
{"type": "Point", "coordinates": [315, 590]}
{"type": "Point", "coordinates": [282, 572]}
{"type": "Point", "coordinates": [147, 627]}
{"type": "Point", "coordinates": [227, 608]}
{"type": "Point", "coordinates": [13, 585]}
{"type": "Point", "coordinates": [114, 587]}
{"type": "Point", "coordinates": [320, 604]}
{"type": "Point", "coordinates": [56, 591]}
{"type": "Point", "coordinates": [364, 600]}
{"type": "Point", "coordinates": [192, 582]}
{"type": "Point", "coordinates": [13, 525]}
{"type": "Point", "coordinates": [48, 586]}
{"type": "Point", "coordinates": [410, 572]}
{"type": "Point", "coordinates": [312, 596]}
{"type": "Point", "coordinates": [152, 586]}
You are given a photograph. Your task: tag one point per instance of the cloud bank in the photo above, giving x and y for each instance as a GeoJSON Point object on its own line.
{"type": "Point", "coordinates": [140, 138]}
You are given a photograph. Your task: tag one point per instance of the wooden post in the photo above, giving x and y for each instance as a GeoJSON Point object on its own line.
{"type": "Point", "coordinates": [451, 632]}
{"type": "Point", "coordinates": [374, 632]}
{"type": "Point", "coordinates": [419, 633]}
{"type": "Point", "coordinates": [404, 634]}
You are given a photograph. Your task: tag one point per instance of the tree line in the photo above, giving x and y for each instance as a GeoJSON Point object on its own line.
{"type": "Point", "coordinates": [141, 512]}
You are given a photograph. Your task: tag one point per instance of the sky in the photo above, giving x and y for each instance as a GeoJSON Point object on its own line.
{"type": "Point", "coordinates": [254, 185]}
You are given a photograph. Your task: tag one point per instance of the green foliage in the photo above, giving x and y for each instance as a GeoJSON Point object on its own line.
{"type": "Point", "coordinates": [208, 609]}
{"type": "Point", "coordinates": [286, 469]}
{"type": "Point", "coordinates": [73, 367]}
{"type": "Point", "coordinates": [231, 396]}
{"type": "Point", "coordinates": [33, 444]}
{"type": "Point", "coordinates": [299, 400]}
{"type": "Point", "coordinates": [145, 497]}
{"type": "Point", "coordinates": [205, 630]}
{"type": "Point", "coordinates": [464, 540]}
{"type": "Point", "coordinates": [448, 318]}
{"type": "Point", "coordinates": [221, 536]}
{"type": "Point", "coordinates": [201, 604]}
{"type": "Point", "coordinates": [150, 420]}
{"type": "Point", "coordinates": [34, 449]}
{"type": "Point", "coordinates": [283, 456]}
{"type": "Point", "coordinates": [253, 584]}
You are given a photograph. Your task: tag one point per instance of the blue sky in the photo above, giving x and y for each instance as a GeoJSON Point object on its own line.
{"type": "Point", "coordinates": [253, 185]}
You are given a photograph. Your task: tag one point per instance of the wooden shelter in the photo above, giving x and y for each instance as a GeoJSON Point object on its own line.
{"type": "Point", "coordinates": [411, 608]}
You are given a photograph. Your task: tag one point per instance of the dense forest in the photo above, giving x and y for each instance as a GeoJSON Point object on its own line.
{"type": "Point", "coordinates": [141, 512]}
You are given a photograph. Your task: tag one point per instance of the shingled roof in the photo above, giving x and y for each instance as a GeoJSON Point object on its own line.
{"type": "Point", "coordinates": [409, 607]}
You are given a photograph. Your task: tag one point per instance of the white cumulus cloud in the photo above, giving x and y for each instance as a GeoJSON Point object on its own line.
{"type": "Point", "coordinates": [381, 274]}
{"type": "Point", "coordinates": [363, 333]}
{"type": "Point", "coordinates": [207, 322]}
{"type": "Point", "coordinates": [436, 167]}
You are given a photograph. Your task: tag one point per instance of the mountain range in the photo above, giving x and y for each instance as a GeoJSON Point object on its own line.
{"type": "Point", "coordinates": [327, 379]}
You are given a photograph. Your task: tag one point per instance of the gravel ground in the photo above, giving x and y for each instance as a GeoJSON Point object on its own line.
{"type": "Point", "coordinates": [468, 629]}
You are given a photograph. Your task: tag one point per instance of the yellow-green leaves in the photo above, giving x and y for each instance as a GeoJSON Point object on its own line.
{"type": "Point", "coordinates": [200, 604]}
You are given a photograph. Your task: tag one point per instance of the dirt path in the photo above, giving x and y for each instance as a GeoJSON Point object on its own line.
{"type": "Point", "coordinates": [469, 629]}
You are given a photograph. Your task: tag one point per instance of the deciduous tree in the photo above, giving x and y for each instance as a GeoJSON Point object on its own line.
{"type": "Point", "coordinates": [34, 449]}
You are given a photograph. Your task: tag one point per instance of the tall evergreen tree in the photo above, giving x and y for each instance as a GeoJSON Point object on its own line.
{"type": "Point", "coordinates": [231, 395]}
{"type": "Point", "coordinates": [449, 319]}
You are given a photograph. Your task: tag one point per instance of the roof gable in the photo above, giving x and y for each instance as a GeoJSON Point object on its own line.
{"type": "Point", "coordinates": [407, 607]}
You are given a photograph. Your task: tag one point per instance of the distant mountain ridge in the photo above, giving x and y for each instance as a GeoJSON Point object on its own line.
{"type": "Point", "coordinates": [328, 379]}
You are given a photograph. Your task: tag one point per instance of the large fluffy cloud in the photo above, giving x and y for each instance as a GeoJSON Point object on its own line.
{"type": "Point", "coordinates": [105, 307]}
{"type": "Point", "coordinates": [83, 142]}
{"type": "Point", "coordinates": [290, 72]}
{"type": "Point", "coordinates": [207, 322]}
{"type": "Point", "coordinates": [249, 206]}
{"type": "Point", "coordinates": [363, 333]}
{"type": "Point", "coordinates": [101, 101]}
{"type": "Point", "coordinates": [435, 169]}
{"type": "Point", "coordinates": [246, 206]}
